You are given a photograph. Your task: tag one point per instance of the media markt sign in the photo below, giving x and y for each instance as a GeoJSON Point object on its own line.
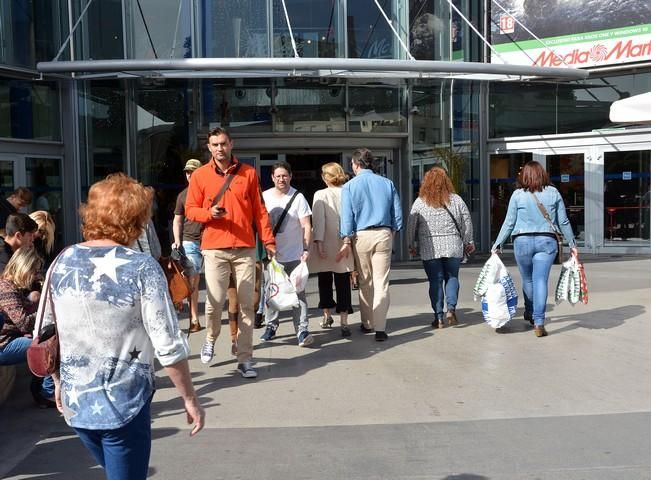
{"type": "Point", "coordinates": [576, 33]}
{"type": "Point", "coordinates": [605, 47]}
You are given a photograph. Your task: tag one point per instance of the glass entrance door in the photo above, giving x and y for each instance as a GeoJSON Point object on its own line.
{"type": "Point", "coordinates": [567, 173]}
{"type": "Point", "coordinates": [627, 195]}
{"type": "Point", "coordinates": [504, 169]}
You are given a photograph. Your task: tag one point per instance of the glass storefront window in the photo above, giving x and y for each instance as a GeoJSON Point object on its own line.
{"type": "Point", "coordinates": [245, 107]}
{"type": "Point", "coordinates": [369, 36]}
{"type": "Point", "coordinates": [309, 108]}
{"type": "Point", "coordinates": [314, 25]}
{"type": "Point", "coordinates": [376, 108]}
{"type": "Point", "coordinates": [29, 110]}
{"type": "Point", "coordinates": [162, 30]}
{"type": "Point", "coordinates": [522, 109]}
{"type": "Point", "coordinates": [627, 194]}
{"type": "Point", "coordinates": [234, 28]}
{"type": "Point", "coordinates": [103, 130]}
{"type": "Point", "coordinates": [567, 174]}
{"type": "Point", "coordinates": [100, 35]}
{"type": "Point", "coordinates": [31, 30]}
{"type": "Point", "coordinates": [429, 29]}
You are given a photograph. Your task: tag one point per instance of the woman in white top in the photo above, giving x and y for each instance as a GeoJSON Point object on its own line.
{"type": "Point", "coordinates": [326, 209]}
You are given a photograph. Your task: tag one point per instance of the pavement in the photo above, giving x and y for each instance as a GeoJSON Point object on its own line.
{"type": "Point", "coordinates": [462, 403]}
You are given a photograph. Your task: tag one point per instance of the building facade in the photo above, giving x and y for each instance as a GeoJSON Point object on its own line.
{"type": "Point", "coordinates": [61, 133]}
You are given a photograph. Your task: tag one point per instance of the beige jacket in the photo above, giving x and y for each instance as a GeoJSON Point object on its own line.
{"type": "Point", "coordinates": [326, 210]}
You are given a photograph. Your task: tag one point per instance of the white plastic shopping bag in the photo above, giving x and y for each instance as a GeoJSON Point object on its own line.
{"type": "Point", "coordinates": [569, 282]}
{"type": "Point", "coordinates": [499, 298]}
{"type": "Point", "coordinates": [299, 277]}
{"type": "Point", "coordinates": [280, 294]}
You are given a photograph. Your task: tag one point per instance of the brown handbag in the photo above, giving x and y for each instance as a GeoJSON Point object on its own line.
{"type": "Point", "coordinates": [43, 353]}
{"type": "Point", "coordinates": [178, 283]}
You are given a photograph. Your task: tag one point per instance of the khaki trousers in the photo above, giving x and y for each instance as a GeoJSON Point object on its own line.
{"type": "Point", "coordinates": [219, 265]}
{"type": "Point", "coordinates": [372, 250]}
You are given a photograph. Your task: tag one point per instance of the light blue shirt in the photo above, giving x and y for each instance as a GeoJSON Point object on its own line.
{"type": "Point", "coordinates": [369, 200]}
{"type": "Point", "coordinates": [524, 216]}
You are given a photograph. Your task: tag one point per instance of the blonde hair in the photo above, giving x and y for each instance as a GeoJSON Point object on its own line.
{"type": "Point", "coordinates": [24, 265]}
{"type": "Point", "coordinates": [117, 209]}
{"type": "Point", "coordinates": [46, 228]}
{"type": "Point", "coordinates": [333, 174]}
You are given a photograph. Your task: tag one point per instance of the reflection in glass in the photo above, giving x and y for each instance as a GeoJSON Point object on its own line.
{"type": "Point", "coordinates": [31, 31]}
{"type": "Point", "coordinates": [315, 108]}
{"type": "Point", "coordinates": [162, 30]}
{"type": "Point", "coordinates": [44, 179]}
{"type": "Point", "coordinates": [163, 145]}
{"type": "Point", "coordinates": [100, 34]}
{"type": "Point", "coordinates": [234, 28]}
{"type": "Point", "coordinates": [521, 109]}
{"type": "Point", "coordinates": [29, 110]}
{"type": "Point", "coordinates": [374, 108]}
{"type": "Point", "coordinates": [245, 107]}
{"type": "Point", "coordinates": [567, 174]}
{"type": "Point", "coordinates": [627, 194]}
{"type": "Point", "coordinates": [314, 25]}
{"type": "Point", "coordinates": [504, 169]}
{"type": "Point", "coordinates": [369, 36]}
{"type": "Point", "coordinates": [102, 130]}
{"type": "Point", "coordinates": [429, 29]}
{"type": "Point", "coordinates": [6, 177]}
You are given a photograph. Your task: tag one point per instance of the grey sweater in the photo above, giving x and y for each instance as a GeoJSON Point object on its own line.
{"type": "Point", "coordinates": [434, 232]}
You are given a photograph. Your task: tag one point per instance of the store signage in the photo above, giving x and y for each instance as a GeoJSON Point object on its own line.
{"type": "Point", "coordinates": [565, 178]}
{"type": "Point", "coordinates": [626, 175]}
{"type": "Point", "coordinates": [569, 35]}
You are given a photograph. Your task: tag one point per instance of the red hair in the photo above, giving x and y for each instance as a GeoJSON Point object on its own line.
{"type": "Point", "coordinates": [117, 209]}
{"type": "Point", "coordinates": [436, 188]}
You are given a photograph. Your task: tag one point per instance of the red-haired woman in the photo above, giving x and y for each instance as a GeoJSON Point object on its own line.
{"type": "Point", "coordinates": [534, 240]}
{"type": "Point", "coordinates": [114, 315]}
{"type": "Point", "coordinates": [440, 228]}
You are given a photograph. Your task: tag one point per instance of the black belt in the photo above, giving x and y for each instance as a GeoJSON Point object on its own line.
{"type": "Point", "coordinates": [376, 227]}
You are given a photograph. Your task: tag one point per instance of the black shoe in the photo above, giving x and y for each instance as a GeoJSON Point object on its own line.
{"type": "Point", "coordinates": [365, 329]}
{"type": "Point", "coordinates": [380, 336]}
{"type": "Point", "coordinates": [528, 316]}
{"type": "Point", "coordinates": [259, 320]}
{"type": "Point", "coordinates": [345, 331]}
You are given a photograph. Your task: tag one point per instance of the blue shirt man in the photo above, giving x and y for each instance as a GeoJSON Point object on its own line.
{"type": "Point", "coordinates": [370, 214]}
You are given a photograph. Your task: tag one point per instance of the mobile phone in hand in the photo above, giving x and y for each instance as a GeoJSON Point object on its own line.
{"type": "Point", "coordinates": [221, 210]}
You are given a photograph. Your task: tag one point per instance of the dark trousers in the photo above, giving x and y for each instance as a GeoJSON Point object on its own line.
{"type": "Point", "coordinates": [342, 287]}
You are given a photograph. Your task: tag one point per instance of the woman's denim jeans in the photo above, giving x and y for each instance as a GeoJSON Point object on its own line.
{"type": "Point", "coordinates": [440, 272]}
{"type": "Point", "coordinates": [535, 256]}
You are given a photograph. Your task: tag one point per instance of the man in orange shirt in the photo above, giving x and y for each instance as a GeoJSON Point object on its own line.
{"type": "Point", "coordinates": [228, 241]}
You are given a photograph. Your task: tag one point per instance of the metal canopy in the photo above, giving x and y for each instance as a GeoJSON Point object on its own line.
{"type": "Point", "coordinates": [306, 67]}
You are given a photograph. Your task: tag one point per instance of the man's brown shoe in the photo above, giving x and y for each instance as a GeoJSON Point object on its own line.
{"type": "Point", "coordinates": [195, 327]}
{"type": "Point", "coordinates": [540, 331]}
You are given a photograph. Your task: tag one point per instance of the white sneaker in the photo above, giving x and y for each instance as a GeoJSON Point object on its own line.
{"type": "Point", "coordinates": [246, 370]}
{"type": "Point", "coordinates": [207, 352]}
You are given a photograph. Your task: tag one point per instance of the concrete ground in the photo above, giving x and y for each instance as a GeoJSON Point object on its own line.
{"type": "Point", "coordinates": [457, 403]}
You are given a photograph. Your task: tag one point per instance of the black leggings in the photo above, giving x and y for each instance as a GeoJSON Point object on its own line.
{"type": "Point", "coordinates": [342, 286]}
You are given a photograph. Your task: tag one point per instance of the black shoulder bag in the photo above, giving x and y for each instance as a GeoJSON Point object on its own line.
{"type": "Point", "coordinates": [284, 214]}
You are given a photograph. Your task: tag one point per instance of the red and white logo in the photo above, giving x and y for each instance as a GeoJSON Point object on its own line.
{"type": "Point", "coordinates": [507, 24]}
{"type": "Point", "coordinates": [598, 53]}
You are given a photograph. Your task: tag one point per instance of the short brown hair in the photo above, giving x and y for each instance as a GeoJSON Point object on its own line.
{"type": "Point", "coordinates": [363, 157]}
{"type": "Point", "coordinates": [436, 188]}
{"type": "Point", "coordinates": [217, 131]}
{"type": "Point", "coordinates": [533, 177]}
{"type": "Point", "coordinates": [23, 194]}
{"type": "Point", "coordinates": [117, 209]}
{"type": "Point", "coordinates": [23, 266]}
